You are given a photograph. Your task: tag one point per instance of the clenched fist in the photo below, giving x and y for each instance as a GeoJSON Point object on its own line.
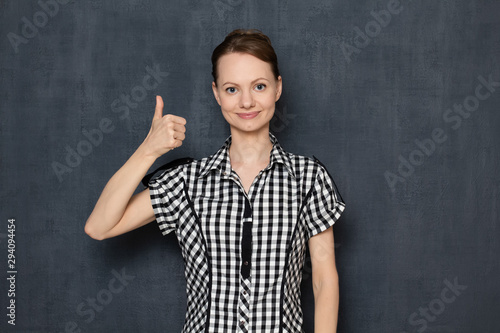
{"type": "Point", "coordinates": [166, 133]}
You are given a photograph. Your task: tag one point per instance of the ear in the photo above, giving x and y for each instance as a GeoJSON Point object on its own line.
{"type": "Point", "coordinates": [216, 92]}
{"type": "Point", "coordinates": [279, 86]}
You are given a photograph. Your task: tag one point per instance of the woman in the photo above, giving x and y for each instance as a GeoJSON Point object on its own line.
{"type": "Point", "coordinates": [243, 216]}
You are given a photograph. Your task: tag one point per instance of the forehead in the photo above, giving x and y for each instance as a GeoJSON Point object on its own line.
{"type": "Point", "coordinates": [242, 67]}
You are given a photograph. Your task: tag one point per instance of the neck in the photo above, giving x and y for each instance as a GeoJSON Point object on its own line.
{"type": "Point", "coordinates": [250, 147]}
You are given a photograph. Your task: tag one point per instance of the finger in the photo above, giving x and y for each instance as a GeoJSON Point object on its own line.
{"type": "Point", "coordinates": [179, 136]}
{"type": "Point", "coordinates": [158, 108]}
{"type": "Point", "coordinates": [177, 143]}
{"type": "Point", "coordinates": [176, 119]}
{"type": "Point", "coordinates": [179, 128]}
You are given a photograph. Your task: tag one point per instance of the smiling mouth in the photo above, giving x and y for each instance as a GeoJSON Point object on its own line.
{"type": "Point", "coordinates": [248, 115]}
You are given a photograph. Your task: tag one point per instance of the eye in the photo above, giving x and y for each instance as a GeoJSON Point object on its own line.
{"type": "Point", "coordinates": [231, 90]}
{"type": "Point", "coordinates": [260, 86]}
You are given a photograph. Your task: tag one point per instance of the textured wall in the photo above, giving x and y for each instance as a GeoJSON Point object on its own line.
{"type": "Point", "coordinates": [398, 99]}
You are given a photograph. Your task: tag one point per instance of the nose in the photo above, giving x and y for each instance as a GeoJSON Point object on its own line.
{"type": "Point", "coordinates": [246, 100]}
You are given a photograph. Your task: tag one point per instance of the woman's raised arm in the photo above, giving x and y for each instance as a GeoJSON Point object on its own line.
{"type": "Point", "coordinates": [117, 211]}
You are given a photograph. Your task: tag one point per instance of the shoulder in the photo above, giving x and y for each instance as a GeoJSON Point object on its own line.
{"type": "Point", "coordinates": [185, 168]}
{"type": "Point", "coordinates": [306, 166]}
{"type": "Point", "coordinates": [312, 173]}
{"type": "Point", "coordinates": [173, 169]}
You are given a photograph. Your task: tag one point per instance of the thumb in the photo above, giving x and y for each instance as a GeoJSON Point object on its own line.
{"type": "Point", "coordinates": [158, 108]}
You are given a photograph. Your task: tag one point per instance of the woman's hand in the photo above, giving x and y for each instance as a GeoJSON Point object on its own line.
{"type": "Point", "coordinates": [117, 211]}
{"type": "Point", "coordinates": [166, 133]}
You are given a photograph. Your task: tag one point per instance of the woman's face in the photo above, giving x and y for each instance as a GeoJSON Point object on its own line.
{"type": "Point", "coordinates": [246, 92]}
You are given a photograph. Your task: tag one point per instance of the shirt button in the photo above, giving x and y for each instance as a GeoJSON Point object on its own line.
{"type": "Point", "coordinates": [244, 292]}
{"type": "Point", "coordinates": [245, 263]}
{"type": "Point", "coordinates": [242, 322]}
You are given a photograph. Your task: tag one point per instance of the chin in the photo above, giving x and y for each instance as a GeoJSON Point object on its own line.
{"type": "Point", "coordinates": [250, 129]}
{"type": "Point", "coordinates": [257, 124]}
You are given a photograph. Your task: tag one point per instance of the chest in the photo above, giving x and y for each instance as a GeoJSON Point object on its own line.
{"type": "Point", "coordinates": [270, 201]}
{"type": "Point", "coordinates": [247, 174]}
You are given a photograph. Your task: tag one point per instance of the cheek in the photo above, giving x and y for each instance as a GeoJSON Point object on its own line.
{"type": "Point", "coordinates": [271, 113]}
{"type": "Point", "coordinates": [227, 103]}
{"type": "Point", "coordinates": [270, 101]}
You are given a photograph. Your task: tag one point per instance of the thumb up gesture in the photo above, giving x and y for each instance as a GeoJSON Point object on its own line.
{"type": "Point", "coordinates": [167, 132]}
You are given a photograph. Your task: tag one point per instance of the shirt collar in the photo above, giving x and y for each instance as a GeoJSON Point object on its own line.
{"type": "Point", "coordinates": [220, 160]}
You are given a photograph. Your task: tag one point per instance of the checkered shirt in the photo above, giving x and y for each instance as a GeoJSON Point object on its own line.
{"type": "Point", "coordinates": [244, 253]}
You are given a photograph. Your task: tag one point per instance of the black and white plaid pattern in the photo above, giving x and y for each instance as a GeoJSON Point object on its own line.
{"type": "Point", "coordinates": [244, 253]}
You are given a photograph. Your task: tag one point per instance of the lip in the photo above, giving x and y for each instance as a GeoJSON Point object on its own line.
{"type": "Point", "coordinates": [248, 115]}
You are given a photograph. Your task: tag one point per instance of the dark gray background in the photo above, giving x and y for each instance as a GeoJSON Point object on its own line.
{"type": "Point", "coordinates": [395, 247]}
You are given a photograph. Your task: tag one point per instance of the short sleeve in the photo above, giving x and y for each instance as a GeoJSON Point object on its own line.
{"type": "Point", "coordinates": [324, 205]}
{"type": "Point", "coordinates": [167, 193]}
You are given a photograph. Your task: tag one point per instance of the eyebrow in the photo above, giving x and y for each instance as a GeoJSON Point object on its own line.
{"type": "Point", "coordinates": [235, 84]}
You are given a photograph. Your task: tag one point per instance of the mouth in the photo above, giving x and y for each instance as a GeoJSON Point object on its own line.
{"type": "Point", "coordinates": [248, 115]}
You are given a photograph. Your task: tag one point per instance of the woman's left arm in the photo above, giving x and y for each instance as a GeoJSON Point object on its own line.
{"type": "Point", "coordinates": [325, 282]}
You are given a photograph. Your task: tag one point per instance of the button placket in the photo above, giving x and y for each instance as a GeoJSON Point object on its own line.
{"type": "Point", "coordinates": [246, 263]}
{"type": "Point", "coordinates": [244, 305]}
